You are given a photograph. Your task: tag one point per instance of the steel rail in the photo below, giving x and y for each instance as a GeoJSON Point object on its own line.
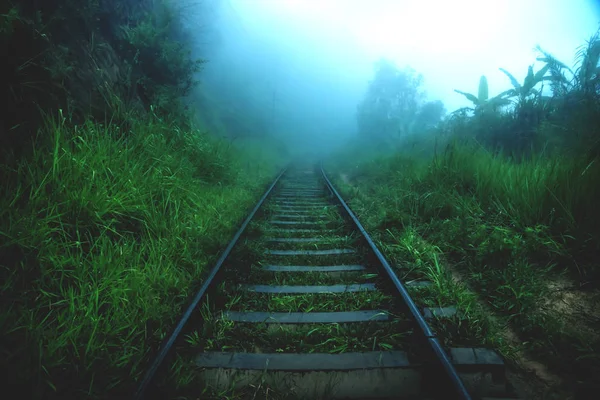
{"type": "Point", "coordinates": [170, 340]}
{"type": "Point", "coordinates": [460, 390]}
{"type": "Point", "coordinates": [435, 346]}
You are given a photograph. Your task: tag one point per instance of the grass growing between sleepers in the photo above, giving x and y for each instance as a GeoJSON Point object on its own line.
{"type": "Point", "coordinates": [103, 236]}
{"type": "Point", "coordinates": [320, 302]}
{"type": "Point", "coordinates": [219, 334]}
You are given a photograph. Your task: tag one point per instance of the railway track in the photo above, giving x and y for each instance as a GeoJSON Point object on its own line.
{"type": "Point", "coordinates": [304, 303]}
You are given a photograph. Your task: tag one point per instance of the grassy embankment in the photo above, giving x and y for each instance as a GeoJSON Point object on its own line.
{"type": "Point", "coordinates": [521, 234]}
{"type": "Point", "coordinates": [106, 228]}
{"type": "Point", "coordinates": [102, 239]}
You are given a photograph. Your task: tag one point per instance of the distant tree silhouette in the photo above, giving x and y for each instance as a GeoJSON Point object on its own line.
{"type": "Point", "coordinates": [391, 103]}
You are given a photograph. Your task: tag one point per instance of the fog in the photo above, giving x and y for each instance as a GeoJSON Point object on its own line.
{"type": "Point", "coordinates": [297, 69]}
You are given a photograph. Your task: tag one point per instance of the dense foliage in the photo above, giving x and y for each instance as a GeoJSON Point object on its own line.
{"type": "Point", "coordinates": [393, 105]}
{"type": "Point", "coordinates": [503, 193]}
{"type": "Point", "coordinates": [555, 104]}
{"type": "Point", "coordinates": [112, 204]}
{"type": "Point", "coordinates": [90, 58]}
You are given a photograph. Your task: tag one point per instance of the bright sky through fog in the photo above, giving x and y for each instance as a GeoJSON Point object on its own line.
{"type": "Point", "coordinates": [451, 42]}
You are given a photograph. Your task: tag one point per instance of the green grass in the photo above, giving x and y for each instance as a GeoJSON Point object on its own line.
{"type": "Point", "coordinates": [320, 260]}
{"type": "Point", "coordinates": [507, 227]}
{"type": "Point", "coordinates": [103, 236]}
{"type": "Point", "coordinates": [217, 334]}
{"type": "Point", "coordinates": [258, 276]}
{"type": "Point", "coordinates": [315, 242]}
{"type": "Point", "coordinates": [308, 338]}
{"type": "Point", "coordinates": [321, 302]}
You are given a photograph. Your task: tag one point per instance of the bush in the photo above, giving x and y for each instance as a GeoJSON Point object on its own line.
{"type": "Point", "coordinates": [102, 238]}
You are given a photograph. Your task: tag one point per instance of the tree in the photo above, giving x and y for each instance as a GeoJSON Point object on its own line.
{"type": "Point", "coordinates": [429, 115]}
{"type": "Point", "coordinates": [391, 102]}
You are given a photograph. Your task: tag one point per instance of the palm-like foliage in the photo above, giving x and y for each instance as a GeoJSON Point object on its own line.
{"type": "Point", "coordinates": [482, 101]}
{"type": "Point", "coordinates": [588, 72]}
{"type": "Point", "coordinates": [482, 95]}
{"type": "Point", "coordinates": [586, 76]}
{"type": "Point", "coordinates": [528, 87]}
{"type": "Point", "coordinates": [559, 82]}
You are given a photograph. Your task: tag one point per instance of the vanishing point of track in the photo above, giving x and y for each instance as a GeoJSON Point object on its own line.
{"type": "Point", "coordinates": [314, 250]}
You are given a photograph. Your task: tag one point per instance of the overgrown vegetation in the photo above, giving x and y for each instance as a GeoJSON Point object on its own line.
{"type": "Point", "coordinates": [505, 191]}
{"type": "Point", "coordinates": [98, 58]}
{"type": "Point", "coordinates": [113, 205]}
{"type": "Point", "coordinates": [102, 242]}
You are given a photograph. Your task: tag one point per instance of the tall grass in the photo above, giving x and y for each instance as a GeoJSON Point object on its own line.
{"type": "Point", "coordinates": [554, 190]}
{"type": "Point", "coordinates": [103, 234]}
{"type": "Point", "coordinates": [558, 191]}
{"type": "Point", "coordinates": [510, 226]}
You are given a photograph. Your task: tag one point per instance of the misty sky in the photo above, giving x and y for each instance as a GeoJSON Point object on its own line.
{"type": "Point", "coordinates": [450, 42]}
{"type": "Point", "coordinates": [316, 56]}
